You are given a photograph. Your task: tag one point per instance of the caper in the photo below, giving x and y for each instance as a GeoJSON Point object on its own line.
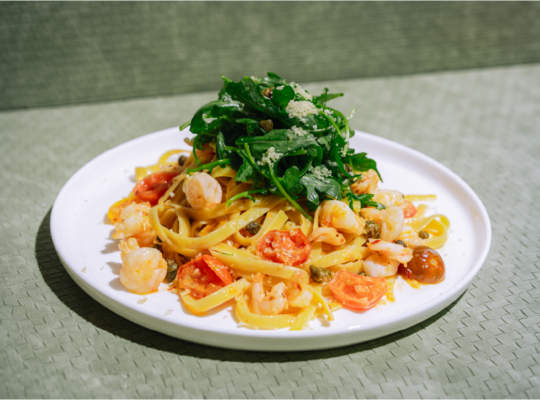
{"type": "Point", "coordinates": [401, 242]}
{"type": "Point", "coordinates": [349, 169]}
{"type": "Point", "coordinates": [268, 92]}
{"type": "Point", "coordinates": [373, 230]}
{"type": "Point", "coordinates": [320, 275]}
{"type": "Point", "coordinates": [172, 269]}
{"type": "Point", "coordinates": [267, 125]}
{"type": "Point", "coordinates": [423, 235]}
{"type": "Point", "coordinates": [253, 227]}
{"type": "Point", "coordinates": [182, 160]}
{"type": "Point", "coordinates": [157, 246]}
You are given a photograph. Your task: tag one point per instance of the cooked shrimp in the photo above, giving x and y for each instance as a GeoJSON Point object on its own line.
{"type": "Point", "coordinates": [337, 214]}
{"type": "Point", "coordinates": [271, 303]}
{"type": "Point", "coordinates": [391, 250]}
{"type": "Point", "coordinates": [134, 223]}
{"type": "Point", "coordinates": [388, 197]}
{"type": "Point", "coordinates": [327, 235]}
{"type": "Point", "coordinates": [392, 223]}
{"type": "Point", "coordinates": [378, 265]}
{"type": "Point", "coordinates": [390, 219]}
{"type": "Point", "coordinates": [143, 269]}
{"type": "Point", "coordinates": [367, 184]}
{"type": "Point", "coordinates": [126, 246]}
{"type": "Point", "coordinates": [410, 237]}
{"type": "Point", "coordinates": [202, 191]}
{"type": "Point", "coordinates": [206, 155]}
{"type": "Point", "coordinates": [296, 294]}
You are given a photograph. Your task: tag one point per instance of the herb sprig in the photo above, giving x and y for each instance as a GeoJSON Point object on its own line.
{"type": "Point", "coordinates": [305, 157]}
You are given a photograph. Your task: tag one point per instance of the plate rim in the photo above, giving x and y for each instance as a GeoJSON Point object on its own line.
{"type": "Point", "coordinates": [276, 340]}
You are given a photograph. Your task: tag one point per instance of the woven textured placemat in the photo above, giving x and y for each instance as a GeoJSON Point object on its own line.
{"type": "Point", "coordinates": [55, 341]}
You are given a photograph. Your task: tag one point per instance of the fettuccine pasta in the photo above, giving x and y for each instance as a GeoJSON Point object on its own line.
{"type": "Point", "coordinates": [281, 234]}
{"type": "Point", "coordinates": [182, 234]}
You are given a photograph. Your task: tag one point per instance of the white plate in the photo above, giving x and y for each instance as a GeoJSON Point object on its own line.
{"type": "Point", "coordinates": [81, 237]}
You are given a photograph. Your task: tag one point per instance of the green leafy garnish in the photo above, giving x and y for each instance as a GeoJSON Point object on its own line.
{"type": "Point", "coordinates": [365, 201]}
{"type": "Point", "coordinates": [305, 156]}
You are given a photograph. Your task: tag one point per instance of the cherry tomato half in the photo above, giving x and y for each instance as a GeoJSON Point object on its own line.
{"type": "Point", "coordinates": [358, 292]}
{"type": "Point", "coordinates": [154, 186]}
{"type": "Point", "coordinates": [203, 275]}
{"type": "Point", "coordinates": [285, 247]}
{"type": "Point", "coordinates": [410, 210]}
{"type": "Point", "coordinates": [426, 266]}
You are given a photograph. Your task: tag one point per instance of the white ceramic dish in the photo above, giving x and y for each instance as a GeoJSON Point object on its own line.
{"type": "Point", "coordinates": [81, 236]}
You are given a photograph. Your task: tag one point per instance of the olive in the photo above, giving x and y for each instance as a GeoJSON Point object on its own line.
{"type": "Point", "coordinates": [267, 125]}
{"type": "Point", "coordinates": [426, 266]}
{"type": "Point", "coordinates": [423, 235]}
{"type": "Point", "coordinates": [182, 160]}
{"type": "Point", "coordinates": [253, 228]}
{"type": "Point", "coordinates": [268, 92]}
{"type": "Point", "coordinates": [401, 242]}
{"type": "Point", "coordinates": [172, 269]}
{"type": "Point", "coordinates": [373, 230]}
{"type": "Point", "coordinates": [320, 275]}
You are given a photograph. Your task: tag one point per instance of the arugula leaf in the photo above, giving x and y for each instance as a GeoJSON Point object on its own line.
{"type": "Point", "coordinates": [360, 162]}
{"type": "Point", "coordinates": [365, 200]}
{"type": "Point", "coordinates": [246, 170]}
{"type": "Point", "coordinates": [274, 78]}
{"type": "Point", "coordinates": [282, 140]}
{"type": "Point", "coordinates": [221, 150]}
{"type": "Point", "coordinates": [217, 109]}
{"type": "Point", "coordinates": [249, 92]}
{"type": "Point", "coordinates": [290, 180]}
{"type": "Point", "coordinates": [325, 97]}
{"type": "Point", "coordinates": [327, 187]}
{"type": "Point", "coordinates": [281, 97]}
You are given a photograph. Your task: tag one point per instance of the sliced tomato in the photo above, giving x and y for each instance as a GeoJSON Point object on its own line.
{"type": "Point", "coordinates": [285, 247]}
{"type": "Point", "coordinates": [358, 292]}
{"type": "Point", "coordinates": [203, 275]}
{"type": "Point", "coordinates": [410, 210]}
{"type": "Point", "coordinates": [154, 186]}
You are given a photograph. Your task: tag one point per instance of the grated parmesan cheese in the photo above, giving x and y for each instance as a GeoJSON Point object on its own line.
{"type": "Point", "coordinates": [280, 87]}
{"type": "Point", "coordinates": [301, 91]}
{"type": "Point", "coordinates": [321, 172]}
{"type": "Point", "coordinates": [270, 157]}
{"type": "Point", "coordinates": [328, 112]}
{"type": "Point", "coordinates": [300, 109]}
{"type": "Point", "coordinates": [299, 131]}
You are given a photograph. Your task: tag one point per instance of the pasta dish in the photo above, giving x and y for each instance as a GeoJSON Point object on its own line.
{"type": "Point", "coordinates": [273, 213]}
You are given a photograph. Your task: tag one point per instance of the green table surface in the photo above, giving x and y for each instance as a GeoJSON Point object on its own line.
{"type": "Point", "coordinates": [56, 341]}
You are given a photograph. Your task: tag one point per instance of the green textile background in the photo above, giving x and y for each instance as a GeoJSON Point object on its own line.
{"type": "Point", "coordinates": [54, 53]}
{"type": "Point", "coordinates": [56, 342]}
